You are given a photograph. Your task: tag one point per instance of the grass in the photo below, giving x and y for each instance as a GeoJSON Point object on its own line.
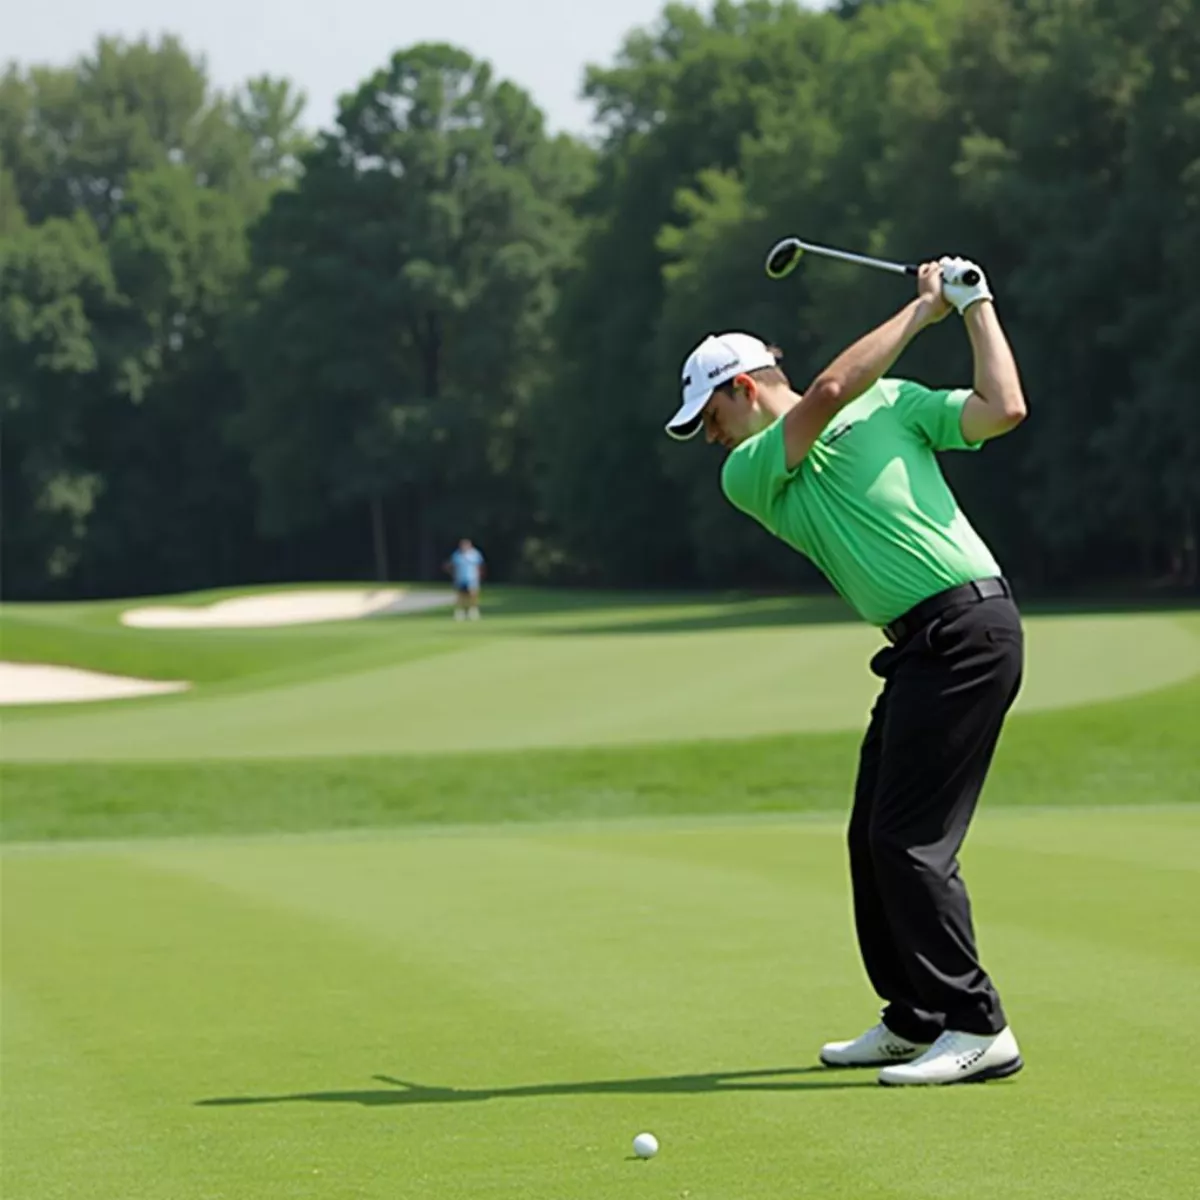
{"type": "Point", "coordinates": [1141, 750]}
{"type": "Point", "coordinates": [254, 750]}
{"type": "Point", "coordinates": [533, 677]}
{"type": "Point", "coordinates": [260, 941]}
{"type": "Point", "coordinates": [91, 635]}
{"type": "Point", "coordinates": [496, 1015]}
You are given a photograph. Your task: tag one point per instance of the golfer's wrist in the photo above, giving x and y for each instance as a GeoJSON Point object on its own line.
{"type": "Point", "coordinates": [978, 311]}
{"type": "Point", "coordinates": [924, 312]}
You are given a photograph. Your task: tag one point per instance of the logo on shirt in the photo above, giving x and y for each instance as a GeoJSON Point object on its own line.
{"type": "Point", "coordinates": [838, 431]}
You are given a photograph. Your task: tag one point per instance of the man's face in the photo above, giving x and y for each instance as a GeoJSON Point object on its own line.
{"type": "Point", "coordinates": [729, 414]}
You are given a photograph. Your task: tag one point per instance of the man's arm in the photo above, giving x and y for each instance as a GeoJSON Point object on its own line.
{"type": "Point", "coordinates": [859, 366]}
{"type": "Point", "coordinates": [998, 403]}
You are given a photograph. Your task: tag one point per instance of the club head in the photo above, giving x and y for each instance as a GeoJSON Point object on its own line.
{"type": "Point", "coordinates": [784, 257]}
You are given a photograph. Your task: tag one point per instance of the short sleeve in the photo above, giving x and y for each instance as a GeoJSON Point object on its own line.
{"type": "Point", "coordinates": [936, 416]}
{"type": "Point", "coordinates": [756, 472]}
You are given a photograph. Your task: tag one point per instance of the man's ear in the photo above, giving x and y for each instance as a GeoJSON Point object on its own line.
{"type": "Point", "coordinates": [745, 385]}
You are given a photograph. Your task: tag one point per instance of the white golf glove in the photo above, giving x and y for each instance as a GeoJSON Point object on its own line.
{"type": "Point", "coordinates": [960, 293]}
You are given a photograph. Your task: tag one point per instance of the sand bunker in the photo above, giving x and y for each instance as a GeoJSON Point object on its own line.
{"type": "Point", "coordinates": [34, 683]}
{"type": "Point", "coordinates": [286, 608]}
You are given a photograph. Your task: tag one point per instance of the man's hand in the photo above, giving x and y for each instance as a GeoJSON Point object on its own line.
{"type": "Point", "coordinates": [962, 295]}
{"type": "Point", "coordinates": [931, 298]}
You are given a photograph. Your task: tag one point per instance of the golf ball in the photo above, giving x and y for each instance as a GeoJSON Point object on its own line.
{"type": "Point", "coordinates": [645, 1145]}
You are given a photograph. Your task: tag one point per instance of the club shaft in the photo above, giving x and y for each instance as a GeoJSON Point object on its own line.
{"type": "Point", "coordinates": [862, 260]}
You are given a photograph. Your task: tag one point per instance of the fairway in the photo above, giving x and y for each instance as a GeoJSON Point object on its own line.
{"type": "Point", "coordinates": [497, 1014]}
{"type": "Point", "coordinates": [611, 674]}
{"type": "Point", "coordinates": [398, 908]}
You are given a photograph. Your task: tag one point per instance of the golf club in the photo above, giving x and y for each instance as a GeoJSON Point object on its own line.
{"type": "Point", "coordinates": [785, 256]}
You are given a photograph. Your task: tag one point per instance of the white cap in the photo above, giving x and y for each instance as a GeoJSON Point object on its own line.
{"type": "Point", "coordinates": [715, 361]}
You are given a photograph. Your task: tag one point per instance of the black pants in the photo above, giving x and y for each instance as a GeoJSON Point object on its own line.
{"type": "Point", "coordinates": [927, 751]}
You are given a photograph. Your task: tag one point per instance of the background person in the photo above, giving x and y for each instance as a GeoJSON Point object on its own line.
{"type": "Point", "coordinates": [467, 567]}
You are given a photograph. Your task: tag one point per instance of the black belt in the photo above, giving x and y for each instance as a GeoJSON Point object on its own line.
{"type": "Point", "coordinates": [921, 614]}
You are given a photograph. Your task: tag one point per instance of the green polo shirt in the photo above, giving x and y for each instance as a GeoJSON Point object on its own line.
{"type": "Point", "coordinates": [869, 504]}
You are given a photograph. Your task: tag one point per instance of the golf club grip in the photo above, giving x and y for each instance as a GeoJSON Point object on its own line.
{"type": "Point", "coordinates": [969, 278]}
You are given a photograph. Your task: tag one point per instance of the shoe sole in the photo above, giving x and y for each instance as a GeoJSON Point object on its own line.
{"type": "Point", "coordinates": [1001, 1071]}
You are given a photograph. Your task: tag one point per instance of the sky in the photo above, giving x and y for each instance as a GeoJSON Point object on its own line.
{"type": "Point", "coordinates": [329, 46]}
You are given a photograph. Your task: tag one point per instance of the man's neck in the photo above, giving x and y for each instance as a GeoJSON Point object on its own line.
{"type": "Point", "coordinates": [772, 405]}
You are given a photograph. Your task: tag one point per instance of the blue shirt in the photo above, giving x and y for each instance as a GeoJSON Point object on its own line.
{"type": "Point", "coordinates": [466, 564]}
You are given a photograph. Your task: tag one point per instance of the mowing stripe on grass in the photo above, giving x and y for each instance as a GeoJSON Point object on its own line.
{"type": "Point", "coordinates": [485, 1016]}
{"type": "Point", "coordinates": [515, 692]}
{"type": "Point", "coordinates": [1139, 750]}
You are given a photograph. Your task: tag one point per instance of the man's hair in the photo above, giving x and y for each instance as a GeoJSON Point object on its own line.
{"type": "Point", "coordinates": [773, 374]}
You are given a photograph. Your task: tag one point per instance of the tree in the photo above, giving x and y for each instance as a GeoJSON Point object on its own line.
{"type": "Point", "coordinates": [399, 325]}
{"type": "Point", "coordinates": [268, 111]}
{"type": "Point", "coordinates": [1054, 141]}
{"type": "Point", "coordinates": [56, 291]}
{"type": "Point", "coordinates": [449, 323]}
{"type": "Point", "coordinates": [681, 100]}
{"type": "Point", "coordinates": [126, 187]}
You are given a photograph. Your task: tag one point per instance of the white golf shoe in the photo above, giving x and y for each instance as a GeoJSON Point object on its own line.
{"type": "Point", "coordinates": [959, 1058]}
{"type": "Point", "coordinates": [875, 1048]}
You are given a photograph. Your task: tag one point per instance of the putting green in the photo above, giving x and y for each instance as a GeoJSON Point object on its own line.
{"type": "Point", "coordinates": [496, 1014]}
{"type": "Point", "coordinates": [525, 684]}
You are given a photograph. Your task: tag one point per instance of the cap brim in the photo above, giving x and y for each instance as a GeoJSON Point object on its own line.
{"type": "Point", "coordinates": [687, 421]}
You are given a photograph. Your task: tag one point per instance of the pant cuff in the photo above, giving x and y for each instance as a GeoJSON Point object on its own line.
{"type": "Point", "coordinates": [910, 1027]}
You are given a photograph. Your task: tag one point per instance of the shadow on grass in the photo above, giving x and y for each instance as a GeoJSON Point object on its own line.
{"type": "Point", "coordinates": [405, 1092]}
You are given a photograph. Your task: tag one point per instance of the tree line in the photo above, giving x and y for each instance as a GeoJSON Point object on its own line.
{"type": "Point", "coordinates": [234, 351]}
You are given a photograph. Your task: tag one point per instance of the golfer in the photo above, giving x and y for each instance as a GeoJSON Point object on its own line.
{"type": "Point", "coordinates": [846, 475]}
{"type": "Point", "coordinates": [466, 566]}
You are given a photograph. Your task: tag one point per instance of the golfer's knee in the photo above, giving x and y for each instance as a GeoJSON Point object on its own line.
{"type": "Point", "coordinates": [886, 843]}
{"type": "Point", "coordinates": [898, 850]}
